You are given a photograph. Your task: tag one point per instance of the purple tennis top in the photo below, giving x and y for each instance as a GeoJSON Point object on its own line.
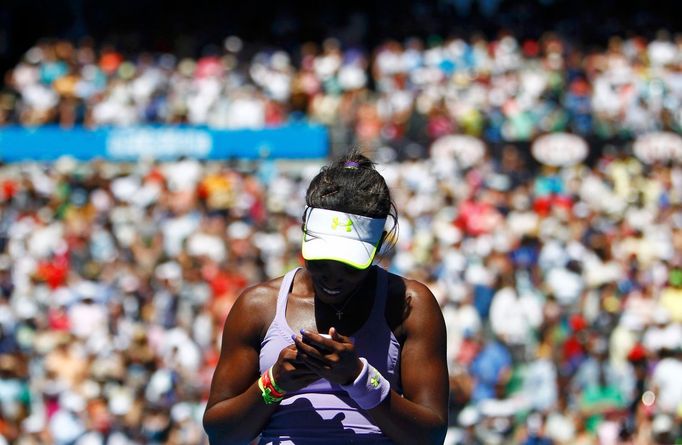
{"type": "Point", "coordinates": [322, 412]}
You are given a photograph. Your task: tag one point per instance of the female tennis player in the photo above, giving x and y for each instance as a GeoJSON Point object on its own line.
{"type": "Point", "coordinates": [339, 351]}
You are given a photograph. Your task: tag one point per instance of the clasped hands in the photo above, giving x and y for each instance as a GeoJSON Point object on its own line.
{"type": "Point", "coordinates": [314, 356]}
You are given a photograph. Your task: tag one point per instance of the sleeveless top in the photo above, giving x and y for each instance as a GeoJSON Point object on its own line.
{"type": "Point", "coordinates": [322, 412]}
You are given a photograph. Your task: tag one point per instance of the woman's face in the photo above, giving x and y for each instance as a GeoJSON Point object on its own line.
{"type": "Point", "coordinates": [334, 281]}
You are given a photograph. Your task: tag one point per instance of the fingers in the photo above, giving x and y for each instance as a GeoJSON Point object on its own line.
{"type": "Point", "coordinates": [318, 367]}
{"type": "Point", "coordinates": [331, 357]}
{"type": "Point", "coordinates": [318, 340]}
{"type": "Point", "coordinates": [290, 355]}
{"type": "Point", "coordinates": [290, 361]}
{"type": "Point", "coordinates": [293, 374]}
{"type": "Point", "coordinates": [309, 354]}
{"type": "Point", "coordinates": [334, 334]}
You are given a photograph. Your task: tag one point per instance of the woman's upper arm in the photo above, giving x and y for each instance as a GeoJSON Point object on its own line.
{"type": "Point", "coordinates": [237, 367]}
{"type": "Point", "coordinates": [424, 374]}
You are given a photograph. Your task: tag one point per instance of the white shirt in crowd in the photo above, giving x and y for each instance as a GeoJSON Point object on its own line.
{"type": "Point", "coordinates": [512, 316]}
{"type": "Point", "coordinates": [667, 379]}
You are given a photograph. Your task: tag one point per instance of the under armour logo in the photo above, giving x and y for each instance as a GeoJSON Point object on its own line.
{"type": "Point", "coordinates": [374, 381]}
{"type": "Point", "coordinates": [335, 223]}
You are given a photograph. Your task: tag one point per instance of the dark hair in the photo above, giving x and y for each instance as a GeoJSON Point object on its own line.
{"type": "Point", "coordinates": [352, 184]}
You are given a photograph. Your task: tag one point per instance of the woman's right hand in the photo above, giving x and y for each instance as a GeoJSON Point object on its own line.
{"type": "Point", "coordinates": [291, 374]}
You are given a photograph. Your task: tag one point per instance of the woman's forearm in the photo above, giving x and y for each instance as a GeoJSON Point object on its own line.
{"type": "Point", "coordinates": [238, 419]}
{"type": "Point", "coordinates": [406, 422]}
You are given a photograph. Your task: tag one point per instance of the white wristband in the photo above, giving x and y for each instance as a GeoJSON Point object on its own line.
{"type": "Point", "coordinates": [370, 388]}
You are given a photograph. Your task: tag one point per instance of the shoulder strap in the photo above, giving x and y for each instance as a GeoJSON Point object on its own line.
{"type": "Point", "coordinates": [284, 290]}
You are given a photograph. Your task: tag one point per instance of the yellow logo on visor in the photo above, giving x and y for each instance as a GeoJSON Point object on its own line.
{"type": "Point", "coordinates": [335, 223]}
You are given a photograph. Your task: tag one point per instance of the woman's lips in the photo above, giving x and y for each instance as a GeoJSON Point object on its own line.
{"type": "Point", "coordinates": [330, 291]}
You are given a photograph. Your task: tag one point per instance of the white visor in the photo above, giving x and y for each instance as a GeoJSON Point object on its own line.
{"type": "Point", "coordinates": [339, 236]}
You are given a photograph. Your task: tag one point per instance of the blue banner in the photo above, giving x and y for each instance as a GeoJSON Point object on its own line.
{"type": "Point", "coordinates": [295, 141]}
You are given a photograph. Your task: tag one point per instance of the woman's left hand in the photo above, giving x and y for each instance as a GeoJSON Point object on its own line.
{"type": "Point", "coordinates": [332, 358]}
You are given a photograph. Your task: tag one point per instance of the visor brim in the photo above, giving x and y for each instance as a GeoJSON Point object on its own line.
{"type": "Point", "coordinates": [355, 253]}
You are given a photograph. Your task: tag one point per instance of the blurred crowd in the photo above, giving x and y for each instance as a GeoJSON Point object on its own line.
{"type": "Point", "coordinates": [401, 93]}
{"type": "Point", "coordinates": [561, 289]}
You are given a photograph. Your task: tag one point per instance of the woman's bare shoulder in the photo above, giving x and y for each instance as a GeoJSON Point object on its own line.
{"type": "Point", "coordinates": [255, 308]}
{"type": "Point", "coordinates": [410, 303]}
{"type": "Point", "coordinates": [261, 294]}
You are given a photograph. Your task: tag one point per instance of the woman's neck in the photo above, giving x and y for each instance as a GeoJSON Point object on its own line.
{"type": "Point", "coordinates": [348, 316]}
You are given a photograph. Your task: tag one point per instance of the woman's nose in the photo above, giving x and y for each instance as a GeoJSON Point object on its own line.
{"type": "Point", "coordinates": [330, 274]}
